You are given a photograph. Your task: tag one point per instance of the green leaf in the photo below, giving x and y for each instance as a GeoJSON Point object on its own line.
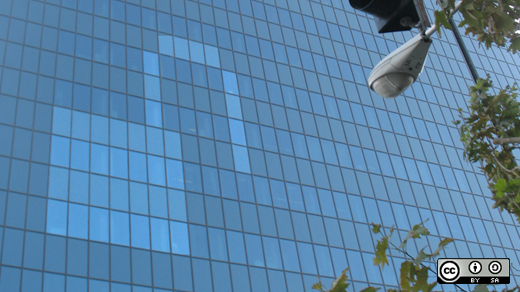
{"type": "Point", "coordinates": [381, 247]}
{"type": "Point", "coordinates": [370, 289]}
{"type": "Point", "coordinates": [376, 227]}
{"type": "Point", "coordinates": [340, 284]}
{"type": "Point", "coordinates": [441, 20]}
{"type": "Point", "coordinates": [421, 256]}
{"type": "Point", "coordinates": [405, 271]}
{"type": "Point", "coordinates": [419, 229]}
{"type": "Point", "coordinates": [317, 286]}
{"type": "Point", "coordinates": [422, 279]}
{"type": "Point", "coordinates": [481, 288]}
{"type": "Point", "coordinates": [416, 232]}
{"type": "Point", "coordinates": [499, 194]}
{"type": "Point", "coordinates": [501, 185]}
{"type": "Point", "coordinates": [515, 45]}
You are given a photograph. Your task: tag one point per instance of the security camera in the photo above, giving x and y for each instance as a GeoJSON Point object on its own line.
{"type": "Point", "coordinates": [397, 71]}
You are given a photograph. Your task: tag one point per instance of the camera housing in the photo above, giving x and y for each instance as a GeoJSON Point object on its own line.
{"type": "Point", "coordinates": [397, 71]}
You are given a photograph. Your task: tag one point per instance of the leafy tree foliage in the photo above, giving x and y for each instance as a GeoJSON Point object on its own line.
{"type": "Point", "coordinates": [491, 131]}
{"type": "Point", "coordinates": [413, 273]}
{"type": "Point", "coordinates": [486, 133]}
{"type": "Point", "coordinates": [492, 22]}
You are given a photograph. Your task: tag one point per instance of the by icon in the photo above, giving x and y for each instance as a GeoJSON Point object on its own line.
{"type": "Point", "coordinates": [495, 267]}
{"type": "Point", "coordinates": [475, 267]}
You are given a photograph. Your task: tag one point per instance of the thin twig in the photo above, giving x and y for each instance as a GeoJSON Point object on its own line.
{"type": "Point", "coordinates": [503, 167]}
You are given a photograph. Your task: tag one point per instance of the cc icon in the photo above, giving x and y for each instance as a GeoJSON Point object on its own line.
{"type": "Point", "coordinates": [449, 271]}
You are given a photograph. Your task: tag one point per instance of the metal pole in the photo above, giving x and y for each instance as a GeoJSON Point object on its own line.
{"type": "Point", "coordinates": [458, 37]}
{"type": "Point", "coordinates": [464, 50]}
{"type": "Point", "coordinates": [432, 29]}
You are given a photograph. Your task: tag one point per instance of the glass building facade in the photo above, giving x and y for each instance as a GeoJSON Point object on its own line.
{"type": "Point", "coordinates": [226, 145]}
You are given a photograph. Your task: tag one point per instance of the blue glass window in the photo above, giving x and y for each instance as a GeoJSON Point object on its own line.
{"type": "Point", "coordinates": [153, 113]}
{"type": "Point", "coordinates": [138, 166]}
{"type": "Point", "coordinates": [300, 147]}
{"type": "Point", "coordinates": [78, 221]}
{"type": "Point", "coordinates": [98, 224]}
{"type": "Point", "coordinates": [284, 140]}
{"type": "Point", "coordinates": [245, 186]}
{"type": "Point", "coordinates": [179, 238]}
{"type": "Point", "coordinates": [135, 59]}
{"type": "Point", "coordinates": [152, 87]}
{"type": "Point", "coordinates": [263, 195]}
{"type": "Point", "coordinates": [99, 159]}
{"type": "Point", "coordinates": [241, 159]}
{"type": "Point", "coordinates": [311, 200]}
{"type": "Point", "coordinates": [193, 177]}
{"type": "Point", "coordinates": [308, 262]}
{"type": "Point", "coordinates": [295, 197]}
{"type": "Point", "coordinates": [197, 52]}
{"type": "Point", "coordinates": [237, 132]}
{"type": "Point", "coordinates": [221, 128]}
{"type": "Point", "coordinates": [199, 241]}
{"type": "Point", "coordinates": [253, 135]}
{"type": "Point", "coordinates": [172, 143]}
{"type": "Point", "coordinates": [237, 252]}
{"type": "Point", "coordinates": [215, 78]}
{"type": "Point", "coordinates": [254, 250]}
{"type": "Point", "coordinates": [57, 217]}
{"type": "Point", "coordinates": [149, 18]}
{"type": "Point", "coordinates": [230, 82]}
{"type": "Point", "coordinates": [151, 63]}
{"type": "Point", "coordinates": [156, 169]}
{"type": "Point", "coordinates": [160, 235]}
{"type": "Point", "coordinates": [272, 253]}
{"type": "Point", "coordinates": [217, 244]}
{"type": "Point", "coordinates": [181, 48]}
{"type": "Point", "coordinates": [66, 43]}
{"type": "Point", "coordinates": [117, 55]}
{"type": "Point", "coordinates": [204, 124]}
{"type": "Point", "coordinates": [118, 162]}
{"type": "Point", "coordinates": [83, 47]}
{"type": "Point", "coordinates": [61, 121]}
{"type": "Point", "coordinates": [60, 151]}
{"type": "Point", "coordinates": [269, 139]}
{"type": "Point", "coordinates": [140, 231]}
{"type": "Point", "coordinates": [212, 56]}
{"type": "Point", "coordinates": [119, 228]}
{"type": "Point", "coordinates": [290, 256]}
{"type": "Point", "coordinates": [154, 141]}
{"type": "Point", "coordinates": [233, 106]}
{"type": "Point", "coordinates": [118, 133]}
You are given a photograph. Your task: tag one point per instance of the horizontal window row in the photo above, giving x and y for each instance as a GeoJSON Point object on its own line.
{"type": "Point", "coordinates": [150, 20]}
{"type": "Point", "coordinates": [157, 170]}
{"type": "Point", "coordinates": [85, 98]}
{"type": "Point", "coordinates": [99, 101]}
{"type": "Point", "coordinates": [97, 158]}
{"type": "Point", "coordinates": [98, 224]}
{"type": "Point", "coordinates": [64, 39]}
{"type": "Point", "coordinates": [96, 128]}
{"type": "Point", "coordinates": [101, 54]}
{"type": "Point", "coordinates": [145, 269]}
{"type": "Point", "coordinates": [230, 185]}
{"type": "Point", "coordinates": [158, 20]}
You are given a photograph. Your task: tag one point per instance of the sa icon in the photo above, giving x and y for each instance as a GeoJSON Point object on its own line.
{"type": "Point", "coordinates": [449, 271]}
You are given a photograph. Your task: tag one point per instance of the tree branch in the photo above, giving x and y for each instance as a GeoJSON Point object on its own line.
{"type": "Point", "coordinates": [503, 167]}
{"type": "Point", "coordinates": [503, 141]}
